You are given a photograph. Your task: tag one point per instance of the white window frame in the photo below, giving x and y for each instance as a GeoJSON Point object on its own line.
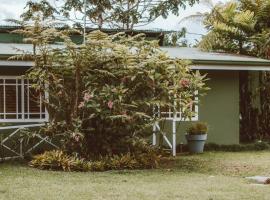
{"type": "Point", "coordinates": [169, 115]}
{"type": "Point", "coordinates": [23, 113]}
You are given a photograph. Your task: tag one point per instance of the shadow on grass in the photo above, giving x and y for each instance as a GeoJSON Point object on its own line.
{"type": "Point", "coordinates": [17, 162]}
{"type": "Point", "coordinates": [188, 163]}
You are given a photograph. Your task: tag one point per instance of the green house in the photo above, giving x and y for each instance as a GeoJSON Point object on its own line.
{"type": "Point", "coordinates": [219, 108]}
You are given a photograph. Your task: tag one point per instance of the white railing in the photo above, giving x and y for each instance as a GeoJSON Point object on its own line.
{"type": "Point", "coordinates": [18, 151]}
{"type": "Point", "coordinates": [173, 117]}
{"type": "Point", "coordinates": [16, 91]}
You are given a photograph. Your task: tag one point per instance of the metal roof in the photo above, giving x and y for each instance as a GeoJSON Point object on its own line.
{"type": "Point", "coordinates": [4, 28]}
{"type": "Point", "coordinates": [13, 63]}
{"type": "Point", "coordinates": [200, 59]}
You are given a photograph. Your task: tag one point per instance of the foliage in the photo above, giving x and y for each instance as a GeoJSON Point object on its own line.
{"type": "Point", "coordinates": [199, 128]}
{"type": "Point", "coordinates": [240, 27]}
{"type": "Point", "coordinates": [258, 146]}
{"type": "Point", "coordinates": [60, 161]}
{"type": "Point", "coordinates": [113, 13]}
{"type": "Point", "coordinates": [236, 26]}
{"type": "Point", "coordinates": [231, 28]}
{"type": "Point", "coordinates": [102, 93]}
{"type": "Point", "coordinates": [148, 160]}
{"type": "Point", "coordinates": [176, 38]}
{"type": "Point", "coordinates": [42, 7]}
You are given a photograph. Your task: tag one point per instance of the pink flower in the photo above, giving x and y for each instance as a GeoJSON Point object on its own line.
{"type": "Point", "coordinates": [110, 104]}
{"type": "Point", "coordinates": [77, 138]}
{"type": "Point", "coordinates": [184, 82]}
{"type": "Point", "coordinates": [190, 104]}
{"type": "Point", "coordinates": [81, 105]}
{"type": "Point", "coordinates": [87, 97]}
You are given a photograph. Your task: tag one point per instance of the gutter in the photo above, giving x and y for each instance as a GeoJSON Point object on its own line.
{"type": "Point", "coordinates": [231, 67]}
{"type": "Point", "coordinates": [231, 63]}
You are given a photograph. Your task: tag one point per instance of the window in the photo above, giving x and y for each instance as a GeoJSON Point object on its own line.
{"type": "Point", "coordinates": [167, 113]}
{"type": "Point", "coordinates": [19, 102]}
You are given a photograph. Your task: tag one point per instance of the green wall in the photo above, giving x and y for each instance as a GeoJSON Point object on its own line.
{"type": "Point", "coordinates": [10, 38]}
{"type": "Point", "coordinates": [219, 108]}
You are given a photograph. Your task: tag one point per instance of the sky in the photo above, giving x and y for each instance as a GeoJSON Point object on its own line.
{"type": "Point", "coordinates": [14, 8]}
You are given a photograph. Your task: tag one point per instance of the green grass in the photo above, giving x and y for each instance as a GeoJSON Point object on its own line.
{"type": "Point", "coordinates": [211, 176]}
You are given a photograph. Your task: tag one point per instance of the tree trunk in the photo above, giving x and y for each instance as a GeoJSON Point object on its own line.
{"type": "Point", "coordinates": [100, 21]}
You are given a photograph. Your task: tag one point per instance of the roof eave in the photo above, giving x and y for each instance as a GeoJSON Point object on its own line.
{"type": "Point", "coordinates": [231, 63]}
{"type": "Point", "coordinates": [230, 67]}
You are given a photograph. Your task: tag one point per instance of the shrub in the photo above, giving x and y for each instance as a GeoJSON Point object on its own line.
{"type": "Point", "coordinates": [258, 146]}
{"type": "Point", "coordinates": [126, 161]}
{"type": "Point", "coordinates": [60, 161]}
{"type": "Point", "coordinates": [199, 128]}
{"type": "Point", "coordinates": [102, 93]}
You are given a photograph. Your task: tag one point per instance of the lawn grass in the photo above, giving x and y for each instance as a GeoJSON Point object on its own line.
{"type": "Point", "coordinates": [211, 176]}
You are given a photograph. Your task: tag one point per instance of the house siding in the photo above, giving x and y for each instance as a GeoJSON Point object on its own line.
{"type": "Point", "coordinates": [219, 108]}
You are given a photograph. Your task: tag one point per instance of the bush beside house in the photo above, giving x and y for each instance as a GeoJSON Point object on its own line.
{"type": "Point", "coordinates": [102, 93]}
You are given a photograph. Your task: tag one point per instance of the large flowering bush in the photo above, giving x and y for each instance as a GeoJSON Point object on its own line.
{"type": "Point", "coordinates": [102, 93]}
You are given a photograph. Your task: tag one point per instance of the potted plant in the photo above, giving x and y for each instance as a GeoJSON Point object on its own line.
{"type": "Point", "coordinates": [196, 137]}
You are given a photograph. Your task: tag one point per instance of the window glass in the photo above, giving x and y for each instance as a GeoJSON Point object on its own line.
{"type": "Point", "coordinates": [19, 101]}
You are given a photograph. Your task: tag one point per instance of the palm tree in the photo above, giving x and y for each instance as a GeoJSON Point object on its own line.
{"type": "Point", "coordinates": [200, 16]}
{"type": "Point", "coordinates": [229, 29]}
{"type": "Point", "coordinates": [236, 26]}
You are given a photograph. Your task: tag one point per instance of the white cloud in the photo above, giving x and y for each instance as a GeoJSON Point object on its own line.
{"type": "Point", "coordinates": [4, 14]}
{"type": "Point", "coordinates": [11, 9]}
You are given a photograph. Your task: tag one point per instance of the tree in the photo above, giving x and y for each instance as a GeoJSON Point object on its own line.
{"type": "Point", "coordinates": [176, 38]}
{"type": "Point", "coordinates": [124, 14]}
{"type": "Point", "coordinates": [239, 27]}
{"type": "Point", "coordinates": [230, 29]}
{"type": "Point", "coordinates": [43, 7]}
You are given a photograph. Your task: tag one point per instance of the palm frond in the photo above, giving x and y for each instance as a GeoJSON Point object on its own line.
{"type": "Point", "coordinates": [197, 17]}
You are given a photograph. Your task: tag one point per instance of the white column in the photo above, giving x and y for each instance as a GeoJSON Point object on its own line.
{"type": "Point", "coordinates": [4, 90]}
{"type": "Point", "coordinates": [17, 100]}
{"type": "Point", "coordinates": [154, 134]}
{"type": "Point", "coordinates": [174, 130]}
{"type": "Point", "coordinates": [174, 138]}
{"type": "Point", "coordinates": [47, 101]}
{"type": "Point", "coordinates": [22, 86]}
